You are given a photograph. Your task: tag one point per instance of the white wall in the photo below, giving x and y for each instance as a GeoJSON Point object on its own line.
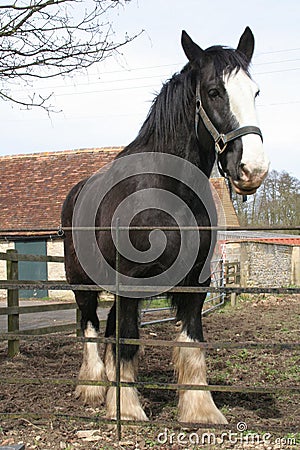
{"type": "Point", "coordinates": [56, 271]}
{"type": "Point", "coordinates": [4, 246]}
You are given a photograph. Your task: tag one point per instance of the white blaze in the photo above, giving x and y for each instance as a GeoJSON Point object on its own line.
{"type": "Point", "coordinates": [241, 91]}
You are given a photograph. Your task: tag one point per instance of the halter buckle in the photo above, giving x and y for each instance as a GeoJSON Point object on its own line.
{"type": "Point", "coordinates": [220, 143]}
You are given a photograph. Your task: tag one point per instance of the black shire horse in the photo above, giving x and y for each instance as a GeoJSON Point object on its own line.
{"type": "Point", "coordinates": [203, 113]}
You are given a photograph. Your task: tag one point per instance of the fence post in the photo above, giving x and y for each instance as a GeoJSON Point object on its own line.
{"type": "Point", "coordinates": [233, 294]}
{"type": "Point", "coordinates": [13, 301]}
{"type": "Point", "coordinates": [233, 299]}
{"type": "Point", "coordinates": [118, 349]}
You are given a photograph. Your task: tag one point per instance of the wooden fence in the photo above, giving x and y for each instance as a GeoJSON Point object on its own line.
{"type": "Point", "coordinates": [13, 284]}
{"type": "Point", "coordinates": [13, 310]}
{"type": "Point", "coordinates": [232, 275]}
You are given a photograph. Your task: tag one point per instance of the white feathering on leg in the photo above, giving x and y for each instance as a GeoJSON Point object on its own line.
{"type": "Point", "coordinates": [93, 369]}
{"type": "Point", "coordinates": [130, 404]}
{"type": "Point", "coordinates": [194, 406]}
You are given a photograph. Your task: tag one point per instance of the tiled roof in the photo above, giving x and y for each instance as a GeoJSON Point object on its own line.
{"type": "Point", "coordinates": [260, 237]}
{"type": "Point", "coordinates": [34, 186]}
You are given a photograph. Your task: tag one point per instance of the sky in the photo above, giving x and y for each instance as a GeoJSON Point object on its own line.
{"type": "Point", "coordinates": [108, 105]}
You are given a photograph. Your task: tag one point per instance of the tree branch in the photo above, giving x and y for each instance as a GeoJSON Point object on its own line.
{"type": "Point", "coordinates": [49, 38]}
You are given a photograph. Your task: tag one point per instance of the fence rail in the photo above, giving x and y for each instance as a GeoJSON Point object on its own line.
{"type": "Point", "coordinates": [13, 255]}
{"type": "Point", "coordinates": [226, 279]}
{"type": "Point", "coordinates": [147, 290]}
{"type": "Point", "coordinates": [60, 231]}
{"type": "Point", "coordinates": [13, 310]}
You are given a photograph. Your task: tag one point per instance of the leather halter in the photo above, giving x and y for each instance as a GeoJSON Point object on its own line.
{"type": "Point", "coordinates": [221, 140]}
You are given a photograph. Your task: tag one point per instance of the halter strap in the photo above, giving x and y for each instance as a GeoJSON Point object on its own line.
{"type": "Point", "coordinates": [221, 140]}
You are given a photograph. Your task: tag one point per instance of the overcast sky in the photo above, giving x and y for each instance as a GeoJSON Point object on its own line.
{"type": "Point", "coordinates": [107, 106]}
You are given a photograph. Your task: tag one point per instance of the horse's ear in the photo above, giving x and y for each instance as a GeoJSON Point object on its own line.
{"type": "Point", "coordinates": [193, 51]}
{"type": "Point", "coordinates": [246, 44]}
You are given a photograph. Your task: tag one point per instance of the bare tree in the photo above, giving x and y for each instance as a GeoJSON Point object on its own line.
{"type": "Point", "coordinates": [277, 202]}
{"type": "Point", "coordinates": [50, 38]}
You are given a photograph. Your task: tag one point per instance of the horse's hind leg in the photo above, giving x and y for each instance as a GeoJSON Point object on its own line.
{"type": "Point", "coordinates": [129, 404]}
{"type": "Point", "coordinates": [194, 405]}
{"type": "Point", "coordinates": [92, 366]}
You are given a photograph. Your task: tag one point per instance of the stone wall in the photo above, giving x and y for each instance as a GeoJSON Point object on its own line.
{"type": "Point", "coordinates": [265, 264]}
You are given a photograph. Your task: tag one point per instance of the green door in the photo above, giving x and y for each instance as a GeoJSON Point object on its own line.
{"type": "Point", "coordinates": [32, 271]}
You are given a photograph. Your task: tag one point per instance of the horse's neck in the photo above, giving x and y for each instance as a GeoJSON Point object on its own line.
{"type": "Point", "coordinates": [200, 156]}
{"type": "Point", "coordinates": [198, 150]}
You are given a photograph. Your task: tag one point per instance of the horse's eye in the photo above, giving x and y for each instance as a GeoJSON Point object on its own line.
{"type": "Point", "coordinates": [257, 93]}
{"type": "Point", "coordinates": [213, 93]}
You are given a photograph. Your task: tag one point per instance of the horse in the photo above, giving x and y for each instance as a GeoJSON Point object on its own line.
{"type": "Point", "coordinates": [204, 113]}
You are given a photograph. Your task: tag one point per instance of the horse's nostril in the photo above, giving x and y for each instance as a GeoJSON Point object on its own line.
{"type": "Point", "coordinates": [245, 173]}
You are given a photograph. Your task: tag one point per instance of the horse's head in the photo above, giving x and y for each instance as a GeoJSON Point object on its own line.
{"type": "Point", "coordinates": [225, 109]}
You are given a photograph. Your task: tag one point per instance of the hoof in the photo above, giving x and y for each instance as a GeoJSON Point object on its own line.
{"type": "Point", "coordinates": [199, 407]}
{"type": "Point", "coordinates": [91, 395]}
{"type": "Point", "coordinates": [130, 404]}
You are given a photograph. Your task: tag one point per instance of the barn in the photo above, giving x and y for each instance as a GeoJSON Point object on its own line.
{"type": "Point", "coordinates": [266, 259]}
{"type": "Point", "coordinates": [33, 188]}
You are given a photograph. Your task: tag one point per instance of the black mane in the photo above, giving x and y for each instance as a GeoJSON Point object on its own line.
{"type": "Point", "coordinates": [171, 108]}
{"type": "Point", "coordinates": [226, 60]}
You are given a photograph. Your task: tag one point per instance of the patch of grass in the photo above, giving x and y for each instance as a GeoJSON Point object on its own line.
{"type": "Point", "coordinates": [293, 438]}
{"type": "Point", "coordinates": [243, 354]}
{"type": "Point", "coordinates": [234, 365]}
{"type": "Point", "coordinates": [225, 410]}
{"type": "Point", "coordinates": [156, 303]}
{"type": "Point", "coordinates": [225, 309]}
{"type": "Point", "coordinates": [220, 378]}
{"type": "Point", "coordinates": [150, 443]}
{"type": "Point", "coordinates": [271, 374]}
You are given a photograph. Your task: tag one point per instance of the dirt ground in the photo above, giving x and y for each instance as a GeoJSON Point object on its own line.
{"type": "Point", "coordinates": [49, 416]}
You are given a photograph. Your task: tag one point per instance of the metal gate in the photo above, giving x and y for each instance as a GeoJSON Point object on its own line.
{"type": "Point", "coordinates": [118, 340]}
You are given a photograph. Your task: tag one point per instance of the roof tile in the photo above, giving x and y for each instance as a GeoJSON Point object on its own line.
{"type": "Point", "coordinates": [33, 186]}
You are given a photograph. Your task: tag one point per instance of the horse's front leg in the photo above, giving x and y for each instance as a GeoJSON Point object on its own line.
{"type": "Point", "coordinates": [92, 367]}
{"type": "Point", "coordinates": [194, 405]}
{"type": "Point", "coordinates": [129, 403]}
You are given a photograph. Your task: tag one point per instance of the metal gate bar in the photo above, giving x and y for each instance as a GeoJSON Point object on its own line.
{"type": "Point", "coordinates": [118, 345]}
{"type": "Point", "coordinates": [166, 343]}
{"type": "Point", "coordinates": [121, 290]}
{"type": "Point", "coordinates": [125, 289]}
